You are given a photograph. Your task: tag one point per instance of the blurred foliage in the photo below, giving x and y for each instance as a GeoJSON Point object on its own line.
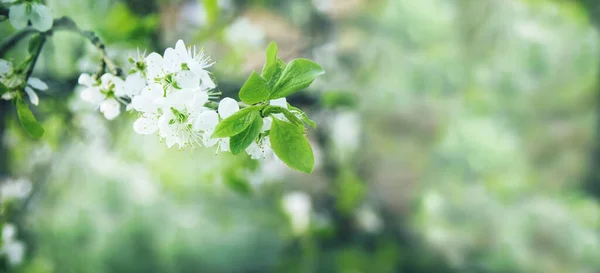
{"type": "Point", "coordinates": [453, 137]}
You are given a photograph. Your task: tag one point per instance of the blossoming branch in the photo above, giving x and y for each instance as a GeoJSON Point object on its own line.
{"type": "Point", "coordinates": [173, 94]}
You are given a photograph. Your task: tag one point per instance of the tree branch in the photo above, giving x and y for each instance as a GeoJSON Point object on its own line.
{"type": "Point", "coordinates": [63, 24]}
{"type": "Point", "coordinates": [3, 11]}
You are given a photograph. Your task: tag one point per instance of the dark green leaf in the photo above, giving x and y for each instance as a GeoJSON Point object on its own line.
{"type": "Point", "coordinates": [241, 141]}
{"type": "Point", "coordinates": [256, 89]}
{"type": "Point", "coordinates": [236, 123]}
{"type": "Point", "coordinates": [3, 89]}
{"type": "Point", "coordinates": [271, 63]}
{"type": "Point", "coordinates": [28, 121]}
{"type": "Point", "coordinates": [297, 75]}
{"type": "Point", "coordinates": [305, 118]}
{"type": "Point", "coordinates": [291, 146]}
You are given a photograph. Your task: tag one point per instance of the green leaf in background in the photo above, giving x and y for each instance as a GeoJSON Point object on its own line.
{"type": "Point", "coordinates": [3, 88]}
{"type": "Point", "coordinates": [256, 89]}
{"type": "Point", "coordinates": [297, 75]}
{"type": "Point", "coordinates": [34, 43]}
{"type": "Point", "coordinates": [212, 11]}
{"type": "Point", "coordinates": [239, 185]}
{"type": "Point", "coordinates": [28, 121]}
{"type": "Point", "coordinates": [339, 99]}
{"type": "Point", "coordinates": [291, 146]}
{"type": "Point", "coordinates": [237, 122]}
{"type": "Point", "coordinates": [241, 141]}
{"type": "Point", "coordinates": [305, 118]}
{"type": "Point", "coordinates": [271, 63]}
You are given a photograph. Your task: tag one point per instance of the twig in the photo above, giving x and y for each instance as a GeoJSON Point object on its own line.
{"type": "Point", "coordinates": [3, 11]}
{"type": "Point", "coordinates": [63, 24]}
{"type": "Point", "coordinates": [11, 41]}
{"type": "Point", "coordinates": [67, 24]}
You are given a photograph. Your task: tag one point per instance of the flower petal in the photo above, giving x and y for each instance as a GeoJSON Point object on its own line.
{"type": "Point", "coordinates": [172, 63]}
{"type": "Point", "coordinates": [206, 121]}
{"type": "Point", "coordinates": [33, 97]}
{"type": "Point", "coordinates": [281, 102]}
{"type": "Point", "coordinates": [187, 79]}
{"type": "Point", "coordinates": [37, 84]}
{"type": "Point", "coordinates": [5, 67]}
{"type": "Point", "coordinates": [200, 99]}
{"type": "Point", "coordinates": [227, 107]}
{"type": "Point", "coordinates": [18, 16]}
{"type": "Point", "coordinates": [207, 82]}
{"type": "Point", "coordinates": [181, 51]}
{"type": "Point", "coordinates": [154, 66]}
{"type": "Point", "coordinates": [86, 79]}
{"type": "Point", "coordinates": [41, 18]}
{"type": "Point", "coordinates": [92, 95]}
{"type": "Point", "coordinates": [135, 83]}
{"type": "Point", "coordinates": [146, 125]}
{"type": "Point", "coordinates": [110, 108]}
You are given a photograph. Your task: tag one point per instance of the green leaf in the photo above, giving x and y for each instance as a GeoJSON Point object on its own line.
{"type": "Point", "coordinates": [237, 122]}
{"type": "Point", "coordinates": [241, 141]}
{"type": "Point", "coordinates": [212, 11]}
{"type": "Point", "coordinates": [280, 110]}
{"type": "Point", "coordinates": [34, 43]}
{"type": "Point", "coordinates": [291, 146]}
{"type": "Point", "coordinates": [338, 99]}
{"type": "Point", "coordinates": [239, 185]}
{"type": "Point", "coordinates": [271, 63]}
{"type": "Point", "coordinates": [3, 89]}
{"type": "Point", "coordinates": [256, 89]}
{"type": "Point", "coordinates": [297, 75]}
{"type": "Point", "coordinates": [28, 121]}
{"type": "Point", "coordinates": [305, 118]}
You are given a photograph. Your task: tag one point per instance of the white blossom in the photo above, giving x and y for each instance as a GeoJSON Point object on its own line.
{"type": "Point", "coordinates": [15, 81]}
{"type": "Point", "coordinates": [210, 119]}
{"type": "Point", "coordinates": [101, 93]}
{"type": "Point", "coordinates": [297, 206]}
{"type": "Point", "coordinates": [244, 32]}
{"type": "Point", "coordinates": [39, 16]}
{"type": "Point", "coordinates": [368, 219]}
{"type": "Point", "coordinates": [11, 247]}
{"type": "Point", "coordinates": [15, 189]}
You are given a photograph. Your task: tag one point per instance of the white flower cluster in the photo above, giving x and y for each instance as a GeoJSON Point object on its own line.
{"type": "Point", "coordinates": [23, 12]}
{"type": "Point", "coordinates": [170, 93]}
{"type": "Point", "coordinates": [14, 81]}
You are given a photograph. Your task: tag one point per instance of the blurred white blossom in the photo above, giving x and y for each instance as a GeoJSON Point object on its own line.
{"type": "Point", "coordinates": [11, 247]}
{"type": "Point", "coordinates": [244, 32]}
{"type": "Point", "coordinates": [22, 13]}
{"type": "Point", "coordinates": [297, 206]}
{"type": "Point", "coordinates": [15, 189]}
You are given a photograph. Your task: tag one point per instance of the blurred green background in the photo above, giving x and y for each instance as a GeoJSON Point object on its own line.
{"type": "Point", "coordinates": [453, 136]}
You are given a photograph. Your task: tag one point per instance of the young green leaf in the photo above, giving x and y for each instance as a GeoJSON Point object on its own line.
{"type": "Point", "coordinates": [305, 118]}
{"type": "Point", "coordinates": [28, 121]}
{"type": "Point", "coordinates": [237, 122]}
{"type": "Point", "coordinates": [256, 89]}
{"type": "Point", "coordinates": [280, 110]}
{"type": "Point", "coordinates": [297, 75]}
{"type": "Point", "coordinates": [271, 63]}
{"type": "Point", "coordinates": [241, 141]}
{"type": "Point", "coordinates": [291, 146]}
